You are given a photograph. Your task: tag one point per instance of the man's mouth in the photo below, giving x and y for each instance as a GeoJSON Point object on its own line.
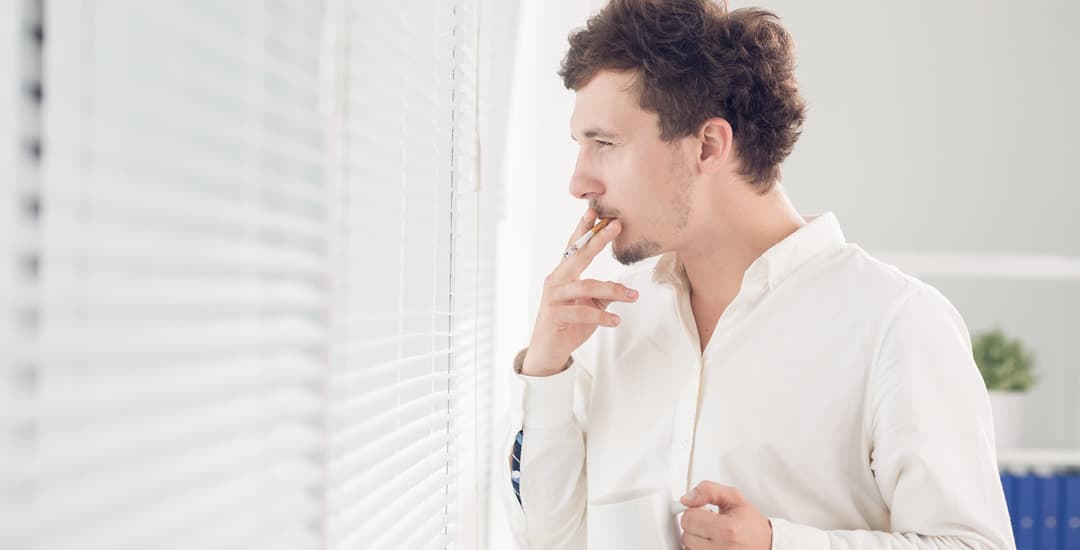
{"type": "Point", "coordinates": [604, 220]}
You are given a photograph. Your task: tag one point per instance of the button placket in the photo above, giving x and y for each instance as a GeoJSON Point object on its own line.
{"type": "Point", "coordinates": [685, 423]}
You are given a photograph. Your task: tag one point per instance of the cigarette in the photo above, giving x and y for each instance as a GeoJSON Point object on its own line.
{"type": "Point", "coordinates": [585, 238]}
{"type": "Point", "coordinates": [678, 507]}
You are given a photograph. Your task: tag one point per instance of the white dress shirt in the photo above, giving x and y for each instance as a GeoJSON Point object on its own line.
{"type": "Point", "coordinates": [838, 394]}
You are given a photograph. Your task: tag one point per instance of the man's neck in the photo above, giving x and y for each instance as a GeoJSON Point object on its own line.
{"type": "Point", "coordinates": [715, 268]}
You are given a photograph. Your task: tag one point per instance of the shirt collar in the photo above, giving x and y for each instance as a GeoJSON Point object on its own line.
{"type": "Point", "coordinates": [820, 233]}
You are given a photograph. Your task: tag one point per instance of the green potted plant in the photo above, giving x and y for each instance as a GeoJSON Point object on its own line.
{"type": "Point", "coordinates": [1007, 368]}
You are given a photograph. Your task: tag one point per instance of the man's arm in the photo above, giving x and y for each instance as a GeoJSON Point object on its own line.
{"type": "Point", "coordinates": [548, 509]}
{"type": "Point", "coordinates": [933, 458]}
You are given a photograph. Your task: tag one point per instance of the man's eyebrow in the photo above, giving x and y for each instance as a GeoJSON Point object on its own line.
{"type": "Point", "coordinates": [596, 133]}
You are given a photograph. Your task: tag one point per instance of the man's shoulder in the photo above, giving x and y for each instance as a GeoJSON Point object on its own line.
{"type": "Point", "coordinates": [857, 269]}
{"type": "Point", "coordinates": [880, 280]}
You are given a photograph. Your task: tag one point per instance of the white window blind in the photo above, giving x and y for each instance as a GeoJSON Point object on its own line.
{"type": "Point", "coordinates": [180, 399]}
{"type": "Point", "coordinates": [245, 275]}
{"type": "Point", "coordinates": [10, 45]}
{"type": "Point", "coordinates": [413, 318]}
{"type": "Point", "coordinates": [20, 146]}
{"type": "Point", "coordinates": [9, 27]}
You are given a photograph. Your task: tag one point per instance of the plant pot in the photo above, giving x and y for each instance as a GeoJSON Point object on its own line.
{"type": "Point", "coordinates": [1010, 427]}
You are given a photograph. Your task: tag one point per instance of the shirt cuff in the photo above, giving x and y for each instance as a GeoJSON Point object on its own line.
{"type": "Point", "coordinates": [519, 361]}
{"type": "Point", "coordinates": [547, 401]}
{"type": "Point", "coordinates": [792, 536]}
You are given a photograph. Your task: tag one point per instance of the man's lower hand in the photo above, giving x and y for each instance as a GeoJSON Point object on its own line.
{"type": "Point", "coordinates": [737, 525]}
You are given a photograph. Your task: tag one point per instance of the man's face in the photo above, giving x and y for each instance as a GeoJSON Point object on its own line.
{"type": "Point", "coordinates": [626, 171]}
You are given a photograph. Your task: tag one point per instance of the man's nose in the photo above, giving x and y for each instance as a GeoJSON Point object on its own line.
{"type": "Point", "coordinates": [584, 183]}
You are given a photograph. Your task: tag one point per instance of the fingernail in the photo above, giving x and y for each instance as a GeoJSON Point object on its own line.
{"type": "Point", "coordinates": [630, 293]}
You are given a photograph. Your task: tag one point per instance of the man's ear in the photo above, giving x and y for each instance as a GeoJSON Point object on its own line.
{"type": "Point", "coordinates": [717, 142]}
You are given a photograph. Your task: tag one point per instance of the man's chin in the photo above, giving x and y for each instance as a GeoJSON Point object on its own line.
{"type": "Point", "coordinates": [635, 252]}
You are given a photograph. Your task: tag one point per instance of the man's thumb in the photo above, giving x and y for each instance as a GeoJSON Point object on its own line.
{"type": "Point", "coordinates": [694, 498]}
{"type": "Point", "coordinates": [708, 492]}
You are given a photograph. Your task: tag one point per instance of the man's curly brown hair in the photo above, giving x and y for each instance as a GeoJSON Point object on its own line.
{"type": "Point", "coordinates": [694, 60]}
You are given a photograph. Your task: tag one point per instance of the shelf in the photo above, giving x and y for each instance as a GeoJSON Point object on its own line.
{"type": "Point", "coordinates": [985, 266]}
{"type": "Point", "coordinates": [1037, 459]}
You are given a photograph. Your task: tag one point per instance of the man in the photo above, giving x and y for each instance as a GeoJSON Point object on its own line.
{"type": "Point", "coordinates": [762, 384]}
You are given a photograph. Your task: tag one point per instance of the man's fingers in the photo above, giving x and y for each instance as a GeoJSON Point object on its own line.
{"type": "Point", "coordinates": [584, 225]}
{"type": "Point", "coordinates": [603, 291]}
{"type": "Point", "coordinates": [585, 315]}
{"type": "Point", "coordinates": [701, 522]}
{"type": "Point", "coordinates": [573, 266]}
{"type": "Point", "coordinates": [691, 541]}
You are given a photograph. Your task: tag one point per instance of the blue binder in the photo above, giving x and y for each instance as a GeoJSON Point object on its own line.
{"type": "Point", "coordinates": [1027, 507]}
{"type": "Point", "coordinates": [1071, 525]}
{"type": "Point", "coordinates": [1008, 486]}
{"type": "Point", "coordinates": [1051, 511]}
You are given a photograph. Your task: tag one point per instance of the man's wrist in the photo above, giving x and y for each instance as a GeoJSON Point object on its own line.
{"type": "Point", "coordinates": [519, 366]}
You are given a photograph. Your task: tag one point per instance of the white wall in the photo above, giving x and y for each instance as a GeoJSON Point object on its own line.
{"type": "Point", "coordinates": [960, 117]}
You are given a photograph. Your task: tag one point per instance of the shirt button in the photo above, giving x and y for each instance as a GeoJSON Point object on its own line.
{"type": "Point", "coordinates": [684, 444]}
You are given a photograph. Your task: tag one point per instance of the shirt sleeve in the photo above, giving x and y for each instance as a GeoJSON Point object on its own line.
{"type": "Point", "coordinates": [934, 457]}
{"type": "Point", "coordinates": [547, 500]}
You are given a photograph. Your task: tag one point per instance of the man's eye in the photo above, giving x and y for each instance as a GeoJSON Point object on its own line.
{"type": "Point", "coordinates": [602, 143]}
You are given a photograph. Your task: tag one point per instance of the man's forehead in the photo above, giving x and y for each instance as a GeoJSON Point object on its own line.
{"type": "Point", "coordinates": [605, 104]}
